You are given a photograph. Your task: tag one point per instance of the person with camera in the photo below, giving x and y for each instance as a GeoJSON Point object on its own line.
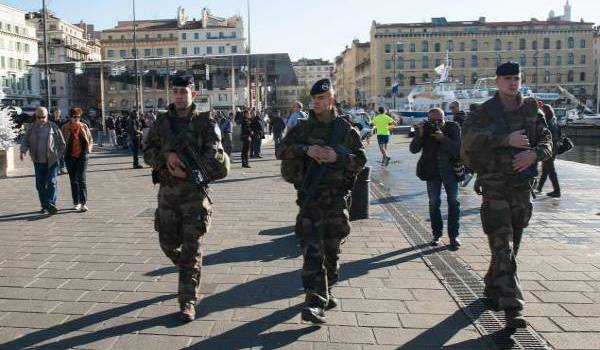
{"type": "Point", "coordinates": [439, 141]}
{"type": "Point", "coordinates": [503, 139]}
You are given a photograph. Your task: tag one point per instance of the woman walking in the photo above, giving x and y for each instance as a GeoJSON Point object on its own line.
{"type": "Point", "coordinates": [548, 169]}
{"type": "Point", "coordinates": [79, 145]}
{"type": "Point", "coordinates": [246, 137]}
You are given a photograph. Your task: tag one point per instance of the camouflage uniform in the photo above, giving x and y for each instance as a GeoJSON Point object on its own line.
{"type": "Point", "coordinates": [324, 220]}
{"type": "Point", "coordinates": [183, 214]}
{"type": "Point", "coordinates": [506, 207]}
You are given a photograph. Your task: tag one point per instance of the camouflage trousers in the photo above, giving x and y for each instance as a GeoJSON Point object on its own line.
{"type": "Point", "coordinates": [505, 212]}
{"type": "Point", "coordinates": [320, 228]}
{"type": "Point", "coordinates": [182, 219]}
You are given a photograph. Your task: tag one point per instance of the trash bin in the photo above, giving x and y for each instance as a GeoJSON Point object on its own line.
{"type": "Point", "coordinates": [360, 196]}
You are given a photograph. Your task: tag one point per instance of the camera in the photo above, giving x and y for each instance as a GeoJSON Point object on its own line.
{"type": "Point", "coordinates": [431, 127]}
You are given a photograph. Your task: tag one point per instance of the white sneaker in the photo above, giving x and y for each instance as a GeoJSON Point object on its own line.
{"type": "Point", "coordinates": [84, 208]}
{"type": "Point", "coordinates": [77, 207]}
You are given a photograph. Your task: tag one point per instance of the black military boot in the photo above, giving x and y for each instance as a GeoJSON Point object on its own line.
{"type": "Point", "coordinates": [187, 312]}
{"type": "Point", "coordinates": [514, 319]}
{"type": "Point", "coordinates": [313, 310]}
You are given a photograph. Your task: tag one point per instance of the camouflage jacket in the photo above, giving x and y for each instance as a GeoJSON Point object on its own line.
{"type": "Point", "coordinates": [310, 131]}
{"type": "Point", "coordinates": [202, 134]}
{"type": "Point", "coordinates": [485, 134]}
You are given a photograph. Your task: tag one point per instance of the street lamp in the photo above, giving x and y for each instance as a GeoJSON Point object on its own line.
{"type": "Point", "coordinates": [395, 60]}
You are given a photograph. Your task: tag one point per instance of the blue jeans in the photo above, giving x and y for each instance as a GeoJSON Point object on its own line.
{"type": "Point", "coordinates": [77, 169]}
{"type": "Point", "coordinates": [256, 145]}
{"type": "Point", "coordinates": [45, 183]}
{"type": "Point", "coordinates": [277, 137]}
{"type": "Point", "coordinates": [434, 189]}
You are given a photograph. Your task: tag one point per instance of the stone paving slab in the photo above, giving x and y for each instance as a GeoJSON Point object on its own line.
{"type": "Point", "coordinates": [98, 280]}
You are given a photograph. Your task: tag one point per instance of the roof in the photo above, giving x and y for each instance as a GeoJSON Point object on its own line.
{"type": "Point", "coordinates": [439, 23]}
{"type": "Point", "coordinates": [161, 24]}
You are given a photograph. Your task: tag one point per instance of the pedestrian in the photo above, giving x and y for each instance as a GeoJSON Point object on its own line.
{"type": "Point", "coordinates": [79, 142]}
{"type": "Point", "coordinates": [110, 130]}
{"type": "Point", "coordinates": [458, 115]}
{"type": "Point", "coordinates": [246, 138]}
{"type": "Point", "coordinates": [382, 123]}
{"type": "Point", "coordinates": [277, 128]}
{"type": "Point", "coordinates": [548, 169]}
{"type": "Point", "coordinates": [323, 140]}
{"type": "Point", "coordinates": [184, 210]}
{"type": "Point", "coordinates": [502, 141]}
{"type": "Point", "coordinates": [439, 141]}
{"type": "Point", "coordinates": [56, 118]}
{"type": "Point", "coordinates": [297, 114]}
{"type": "Point", "coordinates": [45, 143]}
{"type": "Point", "coordinates": [135, 137]}
{"type": "Point", "coordinates": [225, 124]}
{"type": "Point", "coordinates": [258, 134]}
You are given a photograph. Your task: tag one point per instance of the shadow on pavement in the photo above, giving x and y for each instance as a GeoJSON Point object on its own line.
{"type": "Point", "coordinates": [34, 215]}
{"type": "Point", "coordinates": [43, 335]}
{"type": "Point", "coordinates": [277, 231]}
{"type": "Point", "coordinates": [394, 199]}
{"type": "Point", "coordinates": [246, 179]}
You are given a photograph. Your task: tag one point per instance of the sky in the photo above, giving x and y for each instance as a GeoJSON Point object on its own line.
{"type": "Point", "coordinates": [312, 28]}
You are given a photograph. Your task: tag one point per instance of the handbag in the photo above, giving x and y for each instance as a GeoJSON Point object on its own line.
{"type": "Point", "coordinates": [563, 145]}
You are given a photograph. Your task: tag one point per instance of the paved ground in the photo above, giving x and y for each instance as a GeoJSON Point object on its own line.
{"type": "Point", "coordinates": [98, 280]}
{"type": "Point", "coordinates": [559, 260]}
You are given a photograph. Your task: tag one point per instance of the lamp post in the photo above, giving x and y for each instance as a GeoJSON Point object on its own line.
{"type": "Point", "coordinates": [135, 64]}
{"type": "Point", "coordinates": [395, 60]}
{"type": "Point", "coordinates": [46, 69]}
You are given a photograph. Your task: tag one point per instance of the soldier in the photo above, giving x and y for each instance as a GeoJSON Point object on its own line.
{"type": "Point", "coordinates": [321, 156]}
{"type": "Point", "coordinates": [183, 214]}
{"type": "Point", "coordinates": [503, 139]}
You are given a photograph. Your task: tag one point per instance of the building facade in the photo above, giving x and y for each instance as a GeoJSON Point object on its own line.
{"type": "Point", "coordinates": [20, 83]}
{"type": "Point", "coordinates": [308, 71]}
{"type": "Point", "coordinates": [553, 52]}
{"type": "Point", "coordinates": [597, 67]}
{"type": "Point", "coordinates": [174, 40]}
{"type": "Point", "coordinates": [67, 43]}
{"type": "Point", "coordinates": [352, 74]}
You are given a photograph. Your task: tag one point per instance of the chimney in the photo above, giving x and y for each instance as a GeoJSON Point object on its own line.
{"type": "Point", "coordinates": [481, 19]}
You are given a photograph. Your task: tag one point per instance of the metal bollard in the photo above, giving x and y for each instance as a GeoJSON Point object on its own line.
{"type": "Point", "coordinates": [360, 196]}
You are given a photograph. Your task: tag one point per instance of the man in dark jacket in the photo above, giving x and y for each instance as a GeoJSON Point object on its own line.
{"type": "Point", "coordinates": [135, 135]}
{"type": "Point", "coordinates": [440, 141]}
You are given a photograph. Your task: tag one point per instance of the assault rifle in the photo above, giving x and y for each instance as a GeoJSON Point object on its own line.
{"type": "Point", "coordinates": [194, 168]}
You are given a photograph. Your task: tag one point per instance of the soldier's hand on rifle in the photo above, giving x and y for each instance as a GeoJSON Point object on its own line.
{"type": "Point", "coordinates": [329, 155]}
{"type": "Point", "coordinates": [518, 139]}
{"type": "Point", "coordinates": [175, 166]}
{"type": "Point", "coordinates": [524, 160]}
{"type": "Point", "coordinates": [316, 153]}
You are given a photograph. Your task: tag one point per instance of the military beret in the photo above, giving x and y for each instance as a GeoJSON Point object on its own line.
{"type": "Point", "coordinates": [182, 81]}
{"type": "Point", "coordinates": [320, 87]}
{"type": "Point", "coordinates": [508, 68]}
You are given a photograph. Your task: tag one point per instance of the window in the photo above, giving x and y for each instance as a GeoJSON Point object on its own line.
{"type": "Point", "coordinates": [571, 58]}
{"type": "Point", "coordinates": [570, 42]}
{"type": "Point", "coordinates": [400, 63]}
{"type": "Point", "coordinates": [437, 47]}
{"type": "Point", "coordinates": [473, 45]}
{"type": "Point", "coordinates": [424, 46]}
{"type": "Point", "coordinates": [425, 62]}
{"type": "Point", "coordinates": [582, 59]}
{"type": "Point", "coordinates": [462, 46]}
{"type": "Point", "coordinates": [546, 43]}
{"type": "Point", "coordinates": [522, 44]}
{"type": "Point", "coordinates": [388, 81]}
{"type": "Point", "coordinates": [233, 35]}
{"type": "Point", "coordinates": [147, 52]}
{"type": "Point", "coordinates": [558, 78]}
{"type": "Point", "coordinates": [412, 64]}
{"type": "Point", "coordinates": [570, 76]}
{"type": "Point", "coordinates": [474, 78]}
{"type": "Point", "coordinates": [183, 36]}
{"type": "Point", "coordinates": [450, 45]}
{"type": "Point", "coordinates": [234, 49]}
{"type": "Point", "coordinates": [546, 59]}
{"type": "Point", "coordinates": [388, 64]}
{"type": "Point", "coordinates": [582, 44]}
{"type": "Point", "coordinates": [196, 36]}
{"type": "Point", "coordinates": [498, 59]}
{"type": "Point", "coordinates": [399, 47]}
{"type": "Point", "coordinates": [558, 44]}
{"type": "Point", "coordinates": [558, 60]}
{"type": "Point", "coordinates": [146, 36]}
{"type": "Point", "coordinates": [387, 48]}
{"type": "Point", "coordinates": [184, 51]}
{"type": "Point", "coordinates": [412, 47]}
{"type": "Point", "coordinates": [425, 77]}
{"type": "Point", "coordinates": [534, 78]}
{"type": "Point", "coordinates": [110, 53]}
{"type": "Point", "coordinates": [522, 59]}
{"type": "Point", "coordinates": [196, 50]}
{"type": "Point", "coordinates": [209, 50]}
{"type": "Point", "coordinates": [473, 60]}
{"type": "Point", "coordinates": [122, 37]}
{"type": "Point", "coordinates": [159, 52]}
{"type": "Point", "coordinates": [159, 36]}
{"type": "Point", "coordinates": [122, 53]}
{"type": "Point", "coordinates": [438, 62]}
{"type": "Point", "coordinates": [534, 45]}
{"type": "Point", "coordinates": [498, 45]}
{"type": "Point", "coordinates": [171, 51]}
{"type": "Point", "coordinates": [582, 76]}
{"type": "Point", "coordinates": [509, 46]}
{"type": "Point", "coordinates": [412, 81]}
{"type": "Point", "coordinates": [221, 49]}
{"type": "Point", "coordinates": [171, 36]}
